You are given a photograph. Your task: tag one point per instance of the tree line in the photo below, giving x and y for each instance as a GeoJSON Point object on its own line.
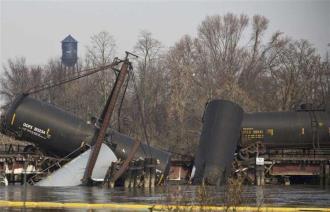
{"type": "Point", "coordinates": [230, 58]}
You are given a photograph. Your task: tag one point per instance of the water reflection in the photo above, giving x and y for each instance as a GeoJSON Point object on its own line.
{"type": "Point", "coordinates": [260, 195]}
{"type": "Point", "coordinates": [251, 195]}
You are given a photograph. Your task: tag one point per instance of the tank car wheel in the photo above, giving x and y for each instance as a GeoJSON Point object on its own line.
{"type": "Point", "coordinates": [243, 154]}
{"type": "Point", "coordinates": [252, 148]}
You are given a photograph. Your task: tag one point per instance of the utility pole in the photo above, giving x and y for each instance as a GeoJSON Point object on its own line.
{"type": "Point", "coordinates": [105, 120]}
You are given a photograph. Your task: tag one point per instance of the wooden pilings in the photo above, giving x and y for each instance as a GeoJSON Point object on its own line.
{"type": "Point", "coordinates": [110, 173]}
{"type": "Point", "coordinates": [134, 174]}
{"type": "Point", "coordinates": [150, 172]}
{"type": "Point", "coordinates": [140, 173]}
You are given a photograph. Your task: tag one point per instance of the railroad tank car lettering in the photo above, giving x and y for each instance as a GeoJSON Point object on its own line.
{"type": "Point", "coordinates": [36, 129]}
{"type": "Point", "coordinates": [258, 132]}
{"type": "Point", "coordinates": [33, 133]}
{"type": "Point", "coordinates": [28, 126]}
{"type": "Point", "coordinates": [246, 132]}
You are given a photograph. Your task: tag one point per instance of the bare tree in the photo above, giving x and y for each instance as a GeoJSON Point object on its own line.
{"type": "Point", "coordinates": [101, 50]}
{"type": "Point", "coordinates": [297, 74]}
{"type": "Point", "coordinates": [148, 49]}
{"type": "Point", "coordinates": [150, 88]}
{"type": "Point", "coordinates": [221, 37]}
{"type": "Point", "coordinates": [99, 53]}
{"type": "Point", "coordinates": [18, 78]}
{"type": "Point", "coordinates": [254, 64]}
{"type": "Point", "coordinates": [184, 97]}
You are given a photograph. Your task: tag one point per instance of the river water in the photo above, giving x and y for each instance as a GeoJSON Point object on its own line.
{"type": "Point", "coordinates": [279, 195]}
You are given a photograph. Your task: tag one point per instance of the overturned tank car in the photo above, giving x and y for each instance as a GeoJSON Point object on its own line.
{"type": "Point", "coordinates": [60, 133]}
{"type": "Point", "coordinates": [286, 143]}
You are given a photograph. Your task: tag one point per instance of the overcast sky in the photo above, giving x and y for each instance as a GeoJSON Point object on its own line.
{"type": "Point", "coordinates": [34, 29]}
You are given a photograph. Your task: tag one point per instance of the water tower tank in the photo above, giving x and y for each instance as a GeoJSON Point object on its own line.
{"type": "Point", "coordinates": [69, 51]}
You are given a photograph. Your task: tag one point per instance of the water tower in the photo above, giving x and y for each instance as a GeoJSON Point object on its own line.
{"type": "Point", "coordinates": [69, 52]}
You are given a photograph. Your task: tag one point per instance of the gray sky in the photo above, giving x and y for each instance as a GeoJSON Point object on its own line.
{"type": "Point", "coordinates": [34, 29]}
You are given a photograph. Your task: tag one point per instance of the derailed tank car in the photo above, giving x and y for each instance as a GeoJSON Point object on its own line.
{"type": "Point", "coordinates": [293, 143]}
{"type": "Point", "coordinates": [304, 135]}
{"type": "Point", "coordinates": [287, 147]}
{"type": "Point", "coordinates": [54, 130]}
{"type": "Point", "coordinates": [60, 133]}
{"type": "Point", "coordinates": [301, 128]}
{"type": "Point", "coordinates": [220, 135]}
